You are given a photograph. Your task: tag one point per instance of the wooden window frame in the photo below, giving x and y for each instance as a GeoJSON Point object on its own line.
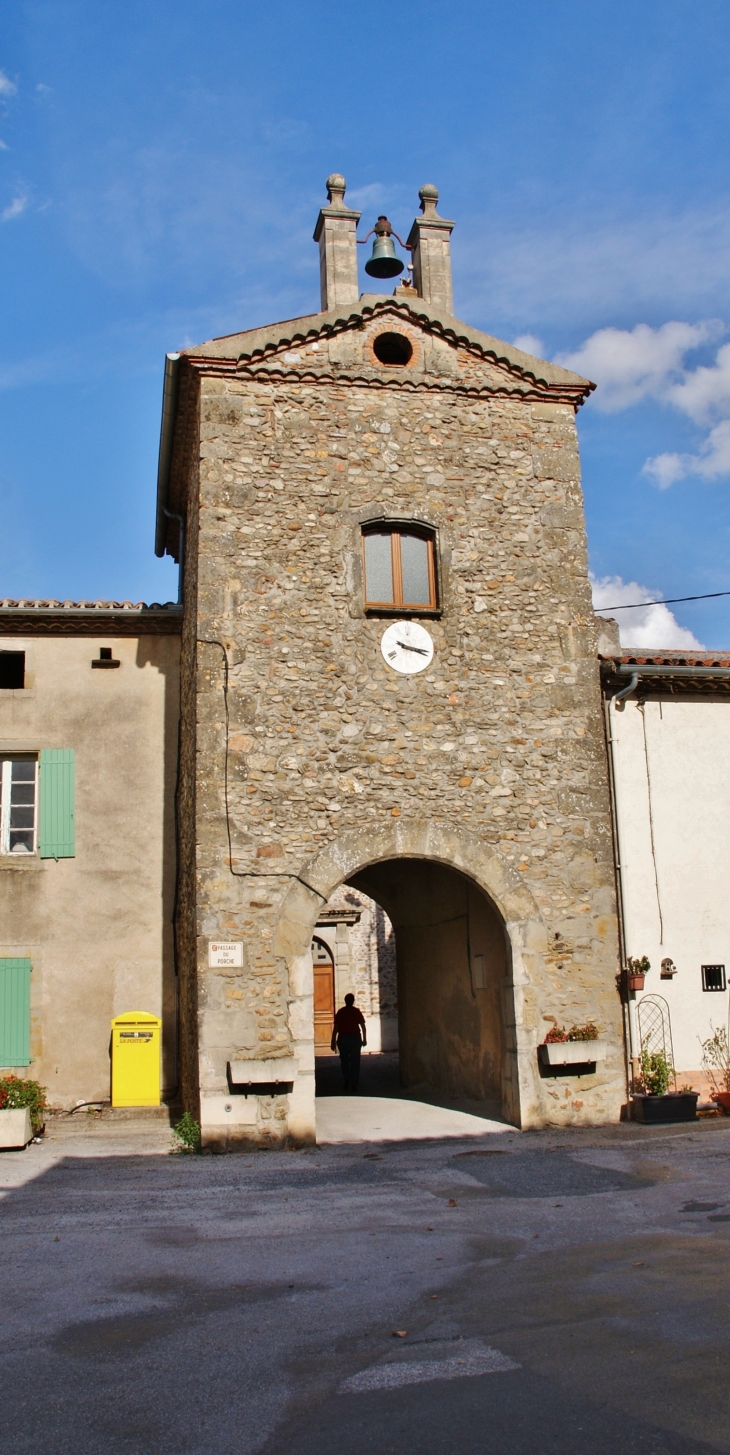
{"type": "Point", "coordinates": [6, 764]}
{"type": "Point", "coordinates": [395, 531]}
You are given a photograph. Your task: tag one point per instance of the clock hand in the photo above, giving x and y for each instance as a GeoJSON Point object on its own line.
{"type": "Point", "coordinates": [422, 651]}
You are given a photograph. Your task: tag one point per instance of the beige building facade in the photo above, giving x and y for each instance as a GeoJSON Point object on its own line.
{"type": "Point", "coordinates": [88, 758]}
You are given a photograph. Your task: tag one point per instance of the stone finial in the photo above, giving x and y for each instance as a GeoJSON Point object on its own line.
{"type": "Point", "coordinates": [429, 196]}
{"type": "Point", "coordinates": [336, 188]}
{"type": "Point", "coordinates": [430, 241]}
{"type": "Point", "coordinates": [335, 233]}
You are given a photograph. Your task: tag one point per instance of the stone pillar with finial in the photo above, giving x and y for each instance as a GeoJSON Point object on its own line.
{"type": "Point", "coordinates": [335, 233]}
{"type": "Point", "coordinates": [430, 240]}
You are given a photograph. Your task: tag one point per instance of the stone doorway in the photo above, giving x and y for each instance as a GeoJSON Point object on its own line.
{"type": "Point", "coordinates": [442, 1004]}
{"type": "Point", "coordinates": [452, 961]}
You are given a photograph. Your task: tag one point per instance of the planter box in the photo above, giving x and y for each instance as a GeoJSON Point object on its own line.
{"type": "Point", "coordinates": [571, 1053]}
{"type": "Point", "coordinates": [636, 982]}
{"type": "Point", "coordinates": [722, 1098]}
{"type": "Point", "coordinates": [674, 1106]}
{"type": "Point", "coordinates": [16, 1129]}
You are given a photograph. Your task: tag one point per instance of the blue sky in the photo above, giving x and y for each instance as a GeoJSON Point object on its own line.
{"type": "Point", "coordinates": [161, 171]}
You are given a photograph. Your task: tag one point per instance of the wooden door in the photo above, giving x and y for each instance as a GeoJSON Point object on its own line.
{"type": "Point", "coordinates": [324, 996]}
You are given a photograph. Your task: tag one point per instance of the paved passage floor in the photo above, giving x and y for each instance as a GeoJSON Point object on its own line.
{"type": "Point", "coordinates": [553, 1293]}
{"type": "Point", "coordinates": [386, 1119]}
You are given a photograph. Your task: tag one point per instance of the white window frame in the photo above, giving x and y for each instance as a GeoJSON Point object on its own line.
{"type": "Point", "coordinates": [6, 761]}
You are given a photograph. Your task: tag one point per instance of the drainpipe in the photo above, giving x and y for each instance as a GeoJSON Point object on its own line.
{"type": "Point", "coordinates": [619, 884]}
{"type": "Point", "coordinates": [637, 670]}
{"type": "Point", "coordinates": [167, 431]}
{"type": "Point", "coordinates": [180, 550]}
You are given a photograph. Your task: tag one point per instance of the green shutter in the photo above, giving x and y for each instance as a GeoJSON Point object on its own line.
{"type": "Point", "coordinates": [14, 1013]}
{"type": "Point", "coordinates": [57, 839]}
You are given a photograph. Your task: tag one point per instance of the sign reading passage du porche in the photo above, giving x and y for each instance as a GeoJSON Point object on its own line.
{"type": "Point", "coordinates": [225, 956]}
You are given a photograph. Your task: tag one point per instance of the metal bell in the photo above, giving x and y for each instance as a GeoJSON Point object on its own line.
{"type": "Point", "coordinates": [383, 263]}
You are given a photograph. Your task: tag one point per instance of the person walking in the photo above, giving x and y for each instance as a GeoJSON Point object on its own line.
{"type": "Point", "coordinates": [348, 1037]}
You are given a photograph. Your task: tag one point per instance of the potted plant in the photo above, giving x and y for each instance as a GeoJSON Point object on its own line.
{"type": "Point", "coordinates": [22, 1104]}
{"type": "Point", "coordinates": [636, 972]}
{"type": "Point", "coordinates": [579, 1046]}
{"type": "Point", "coordinates": [652, 1101]}
{"type": "Point", "coordinates": [716, 1060]}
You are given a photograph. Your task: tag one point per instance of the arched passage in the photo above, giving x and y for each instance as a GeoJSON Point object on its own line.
{"type": "Point", "coordinates": [452, 958]}
{"type": "Point", "coordinates": [357, 855]}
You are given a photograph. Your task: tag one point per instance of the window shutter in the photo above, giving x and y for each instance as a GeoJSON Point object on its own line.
{"type": "Point", "coordinates": [57, 839]}
{"type": "Point", "coordinates": [14, 1013]}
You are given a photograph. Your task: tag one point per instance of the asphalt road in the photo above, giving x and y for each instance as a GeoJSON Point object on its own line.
{"type": "Point", "coordinates": [555, 1292]}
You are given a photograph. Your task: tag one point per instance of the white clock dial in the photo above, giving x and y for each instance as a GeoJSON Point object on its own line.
{"type": "Point", "coordinates": [407, 647]}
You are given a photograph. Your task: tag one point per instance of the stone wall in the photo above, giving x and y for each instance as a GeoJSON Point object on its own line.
{"type": "Point", "coordinates": [500, 741]}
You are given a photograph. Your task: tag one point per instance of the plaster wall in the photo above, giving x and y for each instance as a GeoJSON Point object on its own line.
{"type": "Point", "coordinates": [97, 927]}
{"type": "Point", "coordinates": [672, 774]}
{"type": "Point", "coordinates": [325, 750]}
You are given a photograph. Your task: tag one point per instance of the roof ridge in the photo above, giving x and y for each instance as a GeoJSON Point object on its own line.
{"type": "Point", "coordinates": [26, 603]}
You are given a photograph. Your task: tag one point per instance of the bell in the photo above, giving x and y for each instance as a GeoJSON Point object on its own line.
{"type": "Point", "coordinates": [383, 263]}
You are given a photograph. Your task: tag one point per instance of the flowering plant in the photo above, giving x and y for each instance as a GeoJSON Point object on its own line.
{"type": "Point", "coordinates": [656, 1071]}
{"type": "Point", "coordinates": [716, 1058]}
{"type": "Point", "coordinates": [17, 1091]}
{"type": "Point", "coordinates": [588, 1032]}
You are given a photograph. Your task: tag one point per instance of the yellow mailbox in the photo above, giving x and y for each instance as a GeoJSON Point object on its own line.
{"type": "Point", "coordinates": [136, 1039]}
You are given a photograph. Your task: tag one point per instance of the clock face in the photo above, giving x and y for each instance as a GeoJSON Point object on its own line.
{"type": "Point", "coordinates": [407, 647]}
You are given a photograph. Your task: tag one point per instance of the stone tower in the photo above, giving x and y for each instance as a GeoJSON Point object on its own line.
{"type": "Point", "coordinates": [389, 680]}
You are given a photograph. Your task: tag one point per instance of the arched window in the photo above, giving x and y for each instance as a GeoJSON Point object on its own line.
{"type": "Point", "coordinates": [399, 567]}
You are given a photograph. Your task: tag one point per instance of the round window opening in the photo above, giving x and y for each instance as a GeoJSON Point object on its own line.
{"type": "Point", "coordinates": [393, 348]}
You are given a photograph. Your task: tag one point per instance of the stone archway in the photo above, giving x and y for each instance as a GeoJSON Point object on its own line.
{"type": "Point", "coordinates": [357, 852]}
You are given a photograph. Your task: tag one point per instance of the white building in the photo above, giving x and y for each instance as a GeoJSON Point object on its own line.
{"type": "Point", "coordinates": [668, 729]}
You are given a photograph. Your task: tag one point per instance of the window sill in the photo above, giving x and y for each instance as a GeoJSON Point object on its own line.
{"type": "Point", "coordinates": [401, 613]}
{"type": "Point", "coordinates": [20, 862]}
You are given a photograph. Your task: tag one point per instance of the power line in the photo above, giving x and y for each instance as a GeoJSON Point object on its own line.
{"type": "Point", "coordinates": [668, 601]}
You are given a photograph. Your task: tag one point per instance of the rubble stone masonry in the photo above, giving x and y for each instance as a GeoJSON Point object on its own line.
{"type": "Point", "coordinates": [492, 760]}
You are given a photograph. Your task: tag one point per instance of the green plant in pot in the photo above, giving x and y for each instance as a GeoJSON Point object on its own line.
{"type": "Point", "coordinates": [653, 1101]}
{"type": "Point", "coordinates": [716, 1061]}
{"type": "Point", "coordinates": [656, 1072]}
{"type": "Point", "coordinates": [636, 970]}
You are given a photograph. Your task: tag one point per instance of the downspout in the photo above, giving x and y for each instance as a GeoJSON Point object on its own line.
{"type": "Point", "coordinates": [164, 461]}
{"type": "Point", "coordinates": [637, 670]}
{"type": "Point", "coordinates": [626, 692]}
{"type": "Point", "coordinates": [180, 551]}
{"type": "Point", "coordinates": [619, 883]}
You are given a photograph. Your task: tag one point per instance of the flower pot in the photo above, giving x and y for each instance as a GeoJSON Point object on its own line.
{"type": "Point", "coordinates": [636, 982]}
{"type": "Point", "coordinates": [571, 1053]}
{"type": "Point", "coordinates": [16, 1129]}
{"type": "Point", "coordinates": [723, 1101]}
{"type": "Point", "coordinates": [673, 1106]}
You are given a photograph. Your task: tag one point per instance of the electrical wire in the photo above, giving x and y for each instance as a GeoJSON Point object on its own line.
{"type": "Point", "coordinates": [668, 601]}
{"type": "Point", "coordinates": [243, 873]}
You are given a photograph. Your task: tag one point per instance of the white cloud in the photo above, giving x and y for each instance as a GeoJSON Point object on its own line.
{"type": "Point", "coordinates": [653, 625]}
{"type": "Point", "coordinates": [7, 87]}
{"type": "Point", "coordinates": [632, 364]}
{"type": "Point", "coordinates": [530, 345]}
{"type": "Point", "coordinates": [14, 209]}
{"type": "Point", "coordinates": [712, 460]}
